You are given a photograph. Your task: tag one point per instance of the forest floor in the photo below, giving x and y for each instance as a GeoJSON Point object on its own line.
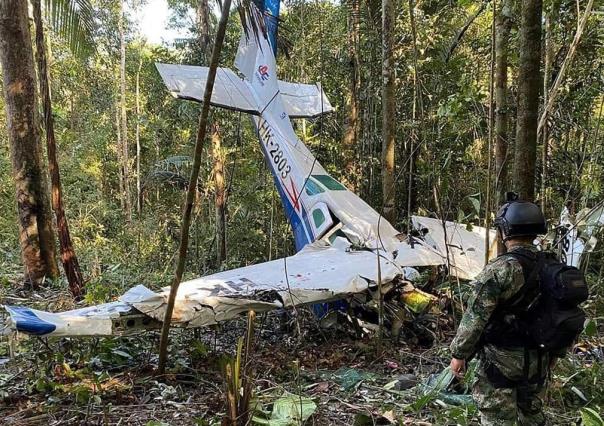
{"type": "Point", "coordinates": [335, 375]}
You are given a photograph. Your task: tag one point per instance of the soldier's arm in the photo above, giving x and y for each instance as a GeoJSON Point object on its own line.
{"type": "Point", "coordinates": [490, 287]}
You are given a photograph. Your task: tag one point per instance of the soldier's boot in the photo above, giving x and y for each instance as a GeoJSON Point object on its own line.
{"type": "Point", "coordinates": [530, 405]}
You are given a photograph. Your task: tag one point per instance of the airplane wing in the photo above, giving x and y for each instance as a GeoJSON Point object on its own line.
{"type": "Point", "coordinates": [232, 92]}
{"type": "Point", "coordinates": [465, 249]}
{"type": "Point", "coordinates": [318, 273]}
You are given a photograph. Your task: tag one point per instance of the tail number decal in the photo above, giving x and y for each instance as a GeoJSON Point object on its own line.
{"type": "Point", "coordinates": [274, 151]}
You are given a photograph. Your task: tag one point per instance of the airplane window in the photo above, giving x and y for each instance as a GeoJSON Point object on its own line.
{"type": "Point", "coordinates": [330, 183]}
{"type": "Point", "coordinates": [318, 217]}
{"type": "Point", "coordinates": [312, 187]}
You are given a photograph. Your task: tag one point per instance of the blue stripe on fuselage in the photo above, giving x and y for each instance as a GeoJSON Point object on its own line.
{"type": "Point", "coordinates": [301, 229]}
{"type": "Point", "coordinates": [28, 322]}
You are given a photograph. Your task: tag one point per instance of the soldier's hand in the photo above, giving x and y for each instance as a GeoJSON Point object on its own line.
{"type": "Point", "coordinates": [458, 367]}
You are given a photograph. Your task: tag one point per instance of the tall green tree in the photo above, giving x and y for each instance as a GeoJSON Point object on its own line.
{"type": "Point", "coordinates": [352, 125]}
{"type": "Point", "coordinates": [35, 220]}
{"type": "Point", "coordinates": [75, 36]}
{"type": "Point", "coordinates": [123, 120]}
{"type": "Point", "coordinates": [502, 108]}
{"type": "Point", "coordinates": [529, 86]}
{"type": "Point", "coordinates": [388, 111]}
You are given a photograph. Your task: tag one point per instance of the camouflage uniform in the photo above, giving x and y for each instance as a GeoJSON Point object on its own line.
{"type": "Point", "coordinates": [498, 282]}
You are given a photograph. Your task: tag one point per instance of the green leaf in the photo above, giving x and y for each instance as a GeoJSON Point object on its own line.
{"type": "Point", "coordinates": [590, 417]}
{"type": "Point", "coordinates": [476, 203]}
{"type": "Point", "coordinates": [73, 21]}
{"type": "Point", "coordinates": [591, 328]}
{"type": "Point", "coordinates": [289, 410]}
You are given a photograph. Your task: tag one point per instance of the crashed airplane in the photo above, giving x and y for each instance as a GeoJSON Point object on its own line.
{"type": "Point", "coordinates": [343, 245]}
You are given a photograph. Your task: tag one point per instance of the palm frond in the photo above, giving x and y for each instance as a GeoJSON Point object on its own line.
{"type": "Point", "coordinates": [73, 21]}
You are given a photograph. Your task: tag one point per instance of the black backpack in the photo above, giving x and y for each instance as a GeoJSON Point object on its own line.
{"type": "Point", "coordinates": [545, 313]}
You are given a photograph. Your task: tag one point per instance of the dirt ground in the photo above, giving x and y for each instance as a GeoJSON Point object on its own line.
{"type": "Point", "coordinates": [351, 379]}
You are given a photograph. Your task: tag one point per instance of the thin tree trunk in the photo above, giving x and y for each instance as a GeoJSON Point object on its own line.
{"type": "Point", "coordinates": [547, 72]}
{"type": "Point", "coordinates": [352, 124]}
{"type": "Point", "coordinates": [203, 25]}
{"type": "Point", "coordinates": [487, 210]}
{"type": "Point", "coordinates": [186, 218]}
{"type": "Point", "coordinates": [553, 94]}
{"type": "Point", "coordinates": [388, 111]}
{"type": "Point", "coordinates": [219, 188]}
{"type": "Point", "coordinates": [203, 22]}
{"type": "Point", "coordinates": [35, 220]}
{"type": "Point", "coordinates": [529, 85]}
{"type": "Point", "coordinates": [502, 109]}
{"type": "Point", "coordinates": [119, 154]}
{"type": "Point", "coordinates": [417, 112]}
{"type": "Point", "coordinates": [139, 195]}
{"type": "Point", "coordinates": [123, 115]}
{"type": "Point", "coordinates": [68, 256]}
{"type": "Point", "coordinates": [463, 30]}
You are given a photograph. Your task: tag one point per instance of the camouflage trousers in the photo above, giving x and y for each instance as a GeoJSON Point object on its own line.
{"type": "Point", "coordinates": [521, 405]}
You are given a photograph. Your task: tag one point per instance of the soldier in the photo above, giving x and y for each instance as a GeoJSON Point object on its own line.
{"type": "Point", "coordinates": [510, 379]}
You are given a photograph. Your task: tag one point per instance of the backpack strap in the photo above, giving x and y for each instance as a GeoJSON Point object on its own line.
{"type": "Point", "coordinates": [531, 264]}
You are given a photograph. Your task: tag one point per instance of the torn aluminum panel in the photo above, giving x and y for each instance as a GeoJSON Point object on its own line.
{"type": "Point", "coordinates": [317, 273]}
{"type": "Point", "coordinates": [575, 236]}
{"type": "Point", "coordinates": [464, 250]}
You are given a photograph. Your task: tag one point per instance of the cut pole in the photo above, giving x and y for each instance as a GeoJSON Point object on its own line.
{"type": "Point", "coordinates": [186, 217]}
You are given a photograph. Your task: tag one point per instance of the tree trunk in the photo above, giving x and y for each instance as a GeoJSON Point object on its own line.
{"type": "Point", "coordinates": [119, 152]}
{"type": "Point", "coordinates": [203, 22]}
{"type": "Point", "coordinates": [552, 96]}
{"type": "Point", "coordinates": [502, 109]}
{"type": "Point", "coordinates": [218, 157]}
{"type": "Point", "coordinates": [35, 220]}
{"type": "Point", "coordinates": [203, 26]}
{"type": "Point", "coordinates": [352, 124]}
{"type": "Point", "coordinates": [68, 256]}
{"type": "Point", "coordinates": [529, 85]}
{"type": "Point", "coordinates": [188, 207]}
{"type": "Point", "coordinates": [547, 72]}
{"type": "Point", "coordinates": [388, 111]}
{"type": "Point", "coordinates": [417, 115]}
{"type": "Point", "coordinates": [123, 116]}
{"type": "Point", "coordinates": [502, 39]}
{"type": "Point", "coordinates": [139, 194]}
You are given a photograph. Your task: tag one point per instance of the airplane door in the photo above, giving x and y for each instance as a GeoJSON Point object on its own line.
{"type": "Point", "coordinates": [320, 219]}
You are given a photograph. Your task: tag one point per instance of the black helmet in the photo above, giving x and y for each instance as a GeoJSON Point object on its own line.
{"type": "Point", "coordinates": [520, 219]}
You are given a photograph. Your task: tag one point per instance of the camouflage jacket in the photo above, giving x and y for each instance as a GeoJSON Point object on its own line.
{"type": "Point", "coordinates": [498, 282]}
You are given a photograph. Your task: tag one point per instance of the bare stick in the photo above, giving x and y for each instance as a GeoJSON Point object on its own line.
{"type": "Point", "coordinates": [186, 217]}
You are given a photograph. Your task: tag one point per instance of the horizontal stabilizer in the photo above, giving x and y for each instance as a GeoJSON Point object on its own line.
{"type": "Point", "coordinates": [189, 82]}
{"type": "Point", "coordinates": [231, 92]}
{"type": "Point", "coordinates": [303, 100]}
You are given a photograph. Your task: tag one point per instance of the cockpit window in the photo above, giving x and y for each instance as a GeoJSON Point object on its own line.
{"type": "Point", "coordinates": [312, 187]}
{"type": "Point", "coordinates": [329, 182]}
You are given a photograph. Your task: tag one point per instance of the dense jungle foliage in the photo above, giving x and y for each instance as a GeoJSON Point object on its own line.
{"type": "Point", "coordinates": [448, 117]}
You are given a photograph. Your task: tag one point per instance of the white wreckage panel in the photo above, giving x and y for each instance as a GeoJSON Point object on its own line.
{"type": "Point", "coordinates": [465, 249]}
{"type": "Point", "coordinates": [315, 274]}
{"type": "Point", "coordinates": [318, 273]}
{"type": "Point", "coordinates": [232, 92]}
